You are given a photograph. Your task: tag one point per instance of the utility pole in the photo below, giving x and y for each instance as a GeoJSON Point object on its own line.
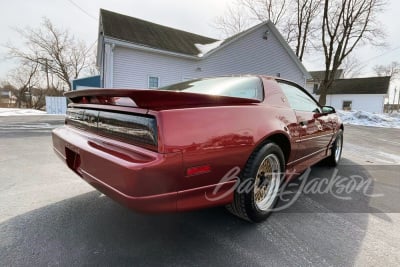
{"type": "Point", "coordinates": [46, 69]}
{"type": "Point", "coordinates": [47, 72]}
{"type": "Point", "coordinates": [398, 101]}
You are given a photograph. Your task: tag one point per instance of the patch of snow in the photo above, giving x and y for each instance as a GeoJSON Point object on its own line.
{"type": "Point", "coordinates": [395, 114]}
{"type": "Point", "coordinates": [365, 118]}
{"type": "Point", "coordinates": [205, 48]}
{"type": "Point", "coordinates": [20, 111]}
{"type": "Point", "coordinates": [27, 126]}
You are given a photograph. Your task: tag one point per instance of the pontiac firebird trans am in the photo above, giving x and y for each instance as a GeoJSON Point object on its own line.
{"type": "Point", "coordinates": [190, 145]}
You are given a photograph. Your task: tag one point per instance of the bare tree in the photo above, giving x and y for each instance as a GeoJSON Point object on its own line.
{"type": "Point", "coordinates": [306, 13]}
{"type": "Point", "coordinates": [21, 81]}
{"type": "Point", "coordinates": [26, 84]}
{"type": "Point", "coordinates": [55, 50]}
{"type": "Point", "coordinates": [296, 19]}
{"type": "Point", "coordinates": [392, 70]}
{"type": "Point", "coordinates": [233, 21]}
{"type": "Point", "coordinates": [346, 24]}
{"type": "Point", "coordinates": [263, 10]}
{"type": "Point", "coordinates": [352, 67]}
{"type": "Point", "coordinates": [241, 14]}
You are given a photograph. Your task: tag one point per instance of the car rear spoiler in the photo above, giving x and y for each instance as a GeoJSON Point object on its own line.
{"type": "Point", "coordinates": [152, 99]}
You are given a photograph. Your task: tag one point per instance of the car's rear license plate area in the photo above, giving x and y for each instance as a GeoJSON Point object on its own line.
{"type": "Point", "coordinates": [73, 160]}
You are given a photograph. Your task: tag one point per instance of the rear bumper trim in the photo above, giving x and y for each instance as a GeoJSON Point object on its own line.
{"type": "Point", "coordinates": [155, 203]}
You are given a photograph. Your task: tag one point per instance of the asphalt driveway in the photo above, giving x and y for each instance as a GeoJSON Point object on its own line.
{"type": "Point", "coordinates": [49, 216]}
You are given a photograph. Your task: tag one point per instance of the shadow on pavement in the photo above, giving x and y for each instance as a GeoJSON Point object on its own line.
{"type": "Point", "coordinates": [90, 229]}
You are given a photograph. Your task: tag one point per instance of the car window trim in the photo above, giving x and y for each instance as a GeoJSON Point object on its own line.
{"type": "Point", "coordinates": [301, 89]}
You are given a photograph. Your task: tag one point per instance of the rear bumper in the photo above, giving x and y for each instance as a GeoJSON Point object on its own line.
{"type": "Point", "coordinates": [138, 178]}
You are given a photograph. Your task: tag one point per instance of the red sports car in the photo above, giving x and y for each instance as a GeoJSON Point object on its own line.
{"type": "Point", "coordinates": [194, 144]}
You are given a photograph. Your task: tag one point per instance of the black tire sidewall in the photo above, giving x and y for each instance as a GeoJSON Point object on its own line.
{"type": "Point", "coordinates": [333, 160]}
{"type": "Point", "coordinates": [253, 212]}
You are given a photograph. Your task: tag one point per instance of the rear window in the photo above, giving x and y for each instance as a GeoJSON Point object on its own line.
{"type": "Point", "coordinates": [242, 87]}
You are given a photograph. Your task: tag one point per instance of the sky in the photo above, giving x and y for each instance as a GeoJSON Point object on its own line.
{"type": "Point", "coordinates": [80, 17]}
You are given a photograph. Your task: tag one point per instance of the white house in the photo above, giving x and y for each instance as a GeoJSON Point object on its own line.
{"type": "Point", "coordinates": [134, 53]}
{"type": "Point", "coordinates": [367, 94]}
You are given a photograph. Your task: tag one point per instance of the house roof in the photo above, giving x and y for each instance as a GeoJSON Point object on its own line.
{"type": "Point", "coordinates": [150, 34]}
{"type": "Point", "coordinates": [370, 85]}
{"type": "Point", "coordinates": [155, 36]}
{"type": "Point", "coordinates": [319, 75]}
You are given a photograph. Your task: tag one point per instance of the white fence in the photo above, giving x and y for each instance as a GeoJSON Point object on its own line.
{"type": "Point", "coordinates": [56, 105]}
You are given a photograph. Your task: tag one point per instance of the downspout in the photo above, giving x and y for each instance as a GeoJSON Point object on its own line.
{"type": "Point", "coordinates": [112, 66]}
{"type": "Point", "coordinates": [103, 51]}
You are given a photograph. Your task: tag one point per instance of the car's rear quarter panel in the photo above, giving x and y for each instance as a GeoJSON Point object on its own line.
{"type": "Point", "coordinates": [222, 137]}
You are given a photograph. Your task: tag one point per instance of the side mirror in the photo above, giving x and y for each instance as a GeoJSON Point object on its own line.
{"type": "Point", "coordinates": [328, 110]}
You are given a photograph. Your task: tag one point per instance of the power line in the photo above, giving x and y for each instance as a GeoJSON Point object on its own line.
{"type": "Point", "coordinates": [89, 15]}
{"type": "Point", "coordinates": [384, 53]}
{"type": "Point", "coordinates": [91, 46]}
{"type": "Point", "coordinates": [364, 61]}
{"type": "Point", "coordinates": [81, 9]}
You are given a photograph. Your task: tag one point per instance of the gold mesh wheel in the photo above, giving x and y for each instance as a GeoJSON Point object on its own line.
{"type": "Point", "coordinates": [267, 182]}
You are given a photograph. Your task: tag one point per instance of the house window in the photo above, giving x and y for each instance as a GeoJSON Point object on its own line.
{"type": "Point", "coordinates": [347, 105]}
{"type": "Point", "coordinates": [154, 82]}
{"type": "Point", "coordinates": [315, 88]}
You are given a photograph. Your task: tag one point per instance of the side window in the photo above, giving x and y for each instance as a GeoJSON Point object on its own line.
{"type": "Point", "coordinates": [299, 100]}
{"type": "Point", "coordinates": [154, 82]}
{"type": "Point", "coordinates": [347, 105]}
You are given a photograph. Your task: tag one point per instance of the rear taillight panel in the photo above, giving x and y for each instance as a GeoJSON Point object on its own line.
{"type": "Point", "coordinates": [136, 129]}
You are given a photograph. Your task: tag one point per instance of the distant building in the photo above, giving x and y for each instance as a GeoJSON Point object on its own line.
{"type": "Point", "coordinates": [7, 99]}
{"type": "Point", "coordinates": [134, 53]}
{"type": "Point", "coordinates": [367, 94]}
{"type": "Point", "coordinates": [87, 82]}
{"type": "Point", "coordinates": [314, 82]}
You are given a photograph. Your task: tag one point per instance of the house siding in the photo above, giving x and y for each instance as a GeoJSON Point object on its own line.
{"type": "Point", "coordinates": [251, 54]}
{"type": "Point", "coordinates": [131, 68]}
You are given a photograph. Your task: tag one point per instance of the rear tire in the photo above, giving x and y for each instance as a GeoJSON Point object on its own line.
{"type": "Point", "coordinates": [262, 174]}
{"type": "Point", "coordinates": [336, 150]}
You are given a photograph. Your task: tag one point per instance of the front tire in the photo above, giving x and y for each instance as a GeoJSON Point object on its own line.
{"type": "Point", "coordinates": [260, 181]}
